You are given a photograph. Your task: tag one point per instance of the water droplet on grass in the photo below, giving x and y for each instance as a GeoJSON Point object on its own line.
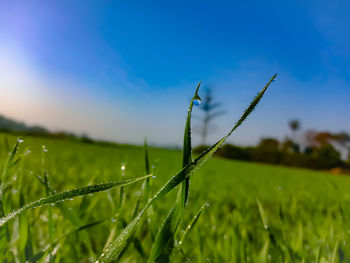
{"type": "Point", "coordinates": [153, 176]}
{"type": "Point", "coordinates": [44, 148]}
{"type": "Point", "coordinates": [20, 140]}
{"type": "Point", "coordinates": [197, 101]}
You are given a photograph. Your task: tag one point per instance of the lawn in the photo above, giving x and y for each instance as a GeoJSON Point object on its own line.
{"type": "Point", "coordinates": [254, 212]}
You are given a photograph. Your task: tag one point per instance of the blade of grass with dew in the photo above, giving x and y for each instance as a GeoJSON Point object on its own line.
{"type": "Point", "coordinates": [188, 229]}
{"type": "Point", "coordinates": [117, 246]}
{"type": "Point", "coordinates": [187, 147]}
{"type": "Point", "coordinates": [276, 238]}
{"type": "Point", "coordinates": [47, 190]}
{"type": "Point", "coordinates": [164, 242]}
{"type": "Point", "coordinates": [165, 239]}
{"type": "Point", "coordinates": [191, 224]}
{"type": "Point", "coordinates": [145, 193]}
{"type": "Point", "coordinates": [42, 252]}
{"type": "Point", "coordinates": [4, 231]}
{"type": "Point", "coordinates": [52, 199]}
{"type": "Point", "coordinates": [211, 150]}
{"type": "Point", "coordinates": [114, 250]}
{"type": "Point", "coordinates": [146, 186]}
{"type": "Point", "coordinates": [71, 215]}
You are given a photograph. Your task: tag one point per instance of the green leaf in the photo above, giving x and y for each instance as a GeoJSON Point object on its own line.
{"type": "Point", "coordinates": [187, 148]}
{"type": "Point", "coordinates": [165, 238]}
{"type": "Point", "coordinates": [117, 246]}
{"type": "Point", "coordinates": [52, 199]}
{"type": "Point", "coordinates": [164, 242]}
{"type": "Point", "coordinates": [41, 253]}
{"type": "Point", "coordinates": [69, 214]}
{"type": "Point", "coordinates": [192, 224]}
{"type": "Point", "coordinates": [4, 231]}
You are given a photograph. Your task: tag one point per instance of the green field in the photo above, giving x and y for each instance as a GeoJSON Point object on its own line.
{"type": "Point", "coordinates": [305, 213]}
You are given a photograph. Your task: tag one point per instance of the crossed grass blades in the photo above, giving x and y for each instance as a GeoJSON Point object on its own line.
{"type": "Point", "coordinates": [163, 239]}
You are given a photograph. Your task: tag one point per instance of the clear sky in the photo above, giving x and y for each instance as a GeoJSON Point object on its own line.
{"type": "Point", "coordinates": [122, 70]}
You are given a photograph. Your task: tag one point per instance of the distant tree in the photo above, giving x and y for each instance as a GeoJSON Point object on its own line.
{"type": "Point", "coordinates": [294, 125]}
{"type": "Point", "coordinates": [267, 151]}
{"type": "Point", "coordinates": [290, 146]}
{"type": "Point", "coordinates": [233, 152]}
{"type": "Point", "coordinates": [328, 157]}
{"type": "Point", "coordinates": [211, 110]}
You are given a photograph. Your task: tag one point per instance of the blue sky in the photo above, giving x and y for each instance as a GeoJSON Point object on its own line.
{"type": "Point", "coordinates": [124, 70]}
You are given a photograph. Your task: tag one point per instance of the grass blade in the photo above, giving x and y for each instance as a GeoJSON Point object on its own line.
{"type": "Point", "coordinates": [42, 252]}
{"type": "Point", "coordinates": [52, 199]}
{"type": "Point", "coordinates": [187, 148]}
{"type": "Point", "coordinates": [69, 214]}
{"type": "Point", "coordinates": [4, 230]}
{"type": "Point", "coordinates": [192, 224]}
{"type": "Point", "coordinates": [164, 242]}
{"type": "Point", "coordinates": [117, 246]}
{"type": "Point", "coordinates": [165, 238]}
{"type": "Point", "coordinates": [211, 150]}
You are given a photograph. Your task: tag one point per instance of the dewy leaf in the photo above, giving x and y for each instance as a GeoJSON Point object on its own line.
{"type": "Point", "coordinates": [69, 194]}
{"type": "Point", "coordinates": [165, 239]}
{"type": "Point", "coordinates": [117, 246]}
{"type": "Point", "coordinates": [192, 224]}
{"type": "Point", "coordinates": [69, 214]}
{"type": "Point", "coordinates": [211, 150]}
{"type": "Point", "coordinates": [4, 231]}
{"type": "Point", "coordinates": [187, 148]}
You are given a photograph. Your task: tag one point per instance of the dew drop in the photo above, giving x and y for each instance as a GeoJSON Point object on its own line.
{"type": "Point", "coordinates": [20, 140]}
{"type": "Point", "coordinates": [197, 101]}
{"type": "Point", "coordinates": [52, 204]}
{"type": "Point", "coordinates": [113, 220]}
{"type": "Point", "coordinates": [153, 176]}
{"type": "Point", "coordinates": [44, 148]}
{"type": "Point", "coordinates": [71, 199]}
{"type": "Point", "coordinates": [123, 167]}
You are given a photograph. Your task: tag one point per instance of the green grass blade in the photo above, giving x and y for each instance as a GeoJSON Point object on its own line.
{"type": "Point", "coordinates": [187, 148]}
{"type": "Point", "coordinates": [52, 199]}
{"type": "Point", "coordinates": [117, 246]}
{"type": "Point", "coordinates": [4, 231]}
{"type": "Point", "coordinates": [42, 252]}
{"type": "Point", "coordinates": [211, 150]}
{"type": "Point", "coordinates": [192, 224]}
{"type": "Point", "coordinates": [164, 241]}
{"type": "Point", "coordinates": [69, 214]}
{"type": "Point", "coordinates": [146, 184]}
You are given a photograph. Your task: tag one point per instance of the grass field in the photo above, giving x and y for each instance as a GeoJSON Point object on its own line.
{"type": "Point", "coordinates": [256, 212]}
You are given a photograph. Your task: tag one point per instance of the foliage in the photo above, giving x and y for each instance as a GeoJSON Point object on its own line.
{"type": "Point", "coordinates": [271, 151]}
{"type": "Point", "coordinates": [270, 215]}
